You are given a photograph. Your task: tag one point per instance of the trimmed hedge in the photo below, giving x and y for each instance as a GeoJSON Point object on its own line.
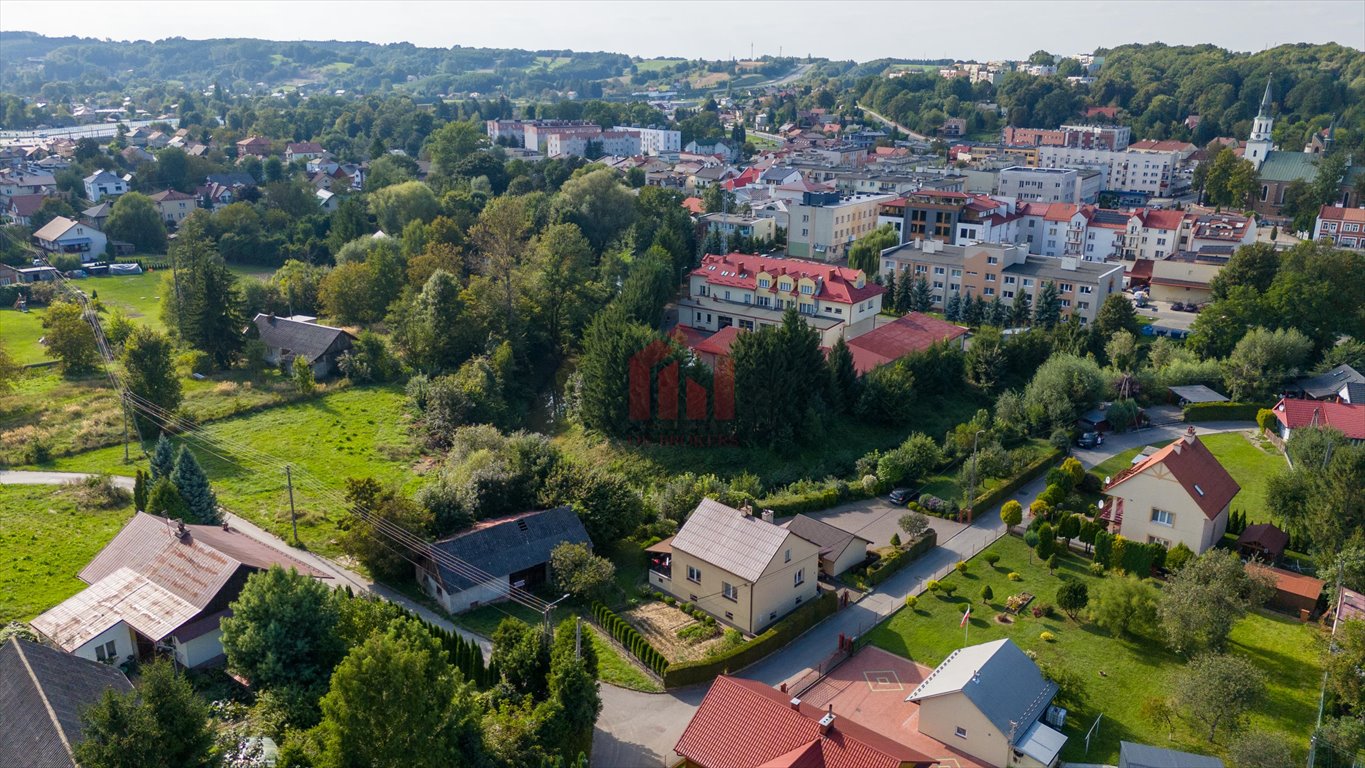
{"type": "Point", "coordinates": [629, 637]}
{"type": "Point", "coordinates": [1222, 411]}
{"type": "Point", "coordinates": [786, 505]}
{"type": "Point", "coordinates": [735, 659]}
{"type": "Point", "coordinates": [883, 569]}
{"type": "Point", "coordinates": [999, 494]}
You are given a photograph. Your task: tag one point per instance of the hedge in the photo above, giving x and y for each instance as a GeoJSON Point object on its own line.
{"type": "Point", "coordinates": [786, 505]}
{"type": "Point", "coordinates": [1222, 411]}
{"type": "Point", "coordinates": [735, 659]}
{"type": "Point", "coordinates": [629, 638]}
{"type": "Point", "coordinates": [883, 569]}
{"type": "Point", "coordinates": [1000, 493]}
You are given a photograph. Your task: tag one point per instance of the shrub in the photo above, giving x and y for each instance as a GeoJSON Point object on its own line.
{"type": "Point", "coordinates": [1265, 419]}
{"type": "Point", "coordinates": [1096, 569]}
{"type": "Point", "coordinates": [947, 588]}
{"type": "Point", "coordinates": [1047, 637]}
{"type": "Point", "coordinates": [987, 594]}
{"type": "Point", "coordinates": [961, 566]}
{"type": "Point", "coordinates": [1014, 576]}
{"type": "Point", "coordinates": [911, 601]}
{"type": "Point", "coordinates": [668, 600]}
{"type": "Point", "coordinates": [734, 654]}
{"type": "Point", "coordinates": [992, 558]}
{"type": "Point", "coordinates": [194, 361]}
{"type": "Point", "coordinates": [895, 539]}
{"type": "Point", "coordinates": [933, 585]}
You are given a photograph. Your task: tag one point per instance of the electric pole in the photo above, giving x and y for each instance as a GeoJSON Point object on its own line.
{"type": "Point", "coordinates": [293, 518]}
{"type": "Point", "coordinates": [124, 398]}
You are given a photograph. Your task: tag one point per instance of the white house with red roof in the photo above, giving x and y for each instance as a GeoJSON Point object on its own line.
{"type": "Point", "coordinates": [1179, 494]}
{"type": "Point", "coordinates": [1345, 227]}
{"type": "Point", "coordinates": [1096, 234]}
{"type": "Point", "coordinates": [748, 291]}
{"type": "Point", "coordinates": [1346, 418]}
{"type": "Point", "coordinates": [303, 150]}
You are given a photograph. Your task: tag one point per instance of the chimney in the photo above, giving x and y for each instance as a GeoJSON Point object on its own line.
{"type": "Point", "coordinates": [827, 721]}
{"type": "Point", "coordinates": [747, 509]}
{"type": "Point", "coordinates": [1189, 434]}
{"type": "Point", "coordinates": [796, 703]}
{"type": "Point", "coordinates": [767, 515]}
{"type": "Point", "coordinates": [181, 531]}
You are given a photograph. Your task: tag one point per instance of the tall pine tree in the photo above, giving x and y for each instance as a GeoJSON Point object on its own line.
{"type": "Point", "coordinates": [952, 310]}
{"type": "Point", "coordinates": [163, 458]}
{"type": "Point", "coordinates": [193, 484]}
{"type": "Point", "coordinates": [1048, 312]}
{"type": "Point", "coordinates": [1021, 311]}
{"type": "Point", "coordinates": [843, 377]}
{"type": "Point", "coordinates": [904, 292]}
{"type": "Point", "coordinates": [207, 312]}
{"type": "Point", "coordinates": [921, 300]}
{"type": "Point", "coordinates": [889, 298]}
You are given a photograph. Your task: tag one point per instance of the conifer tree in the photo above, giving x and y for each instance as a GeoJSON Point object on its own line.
{"type": "Point", "coordinates": [1021, 312]}
{"type": "Point", "coordinates": [904, 292]}
{"type": "Point", "coordinates": [140, 491]}
{"type": "Point", "coordinates": [1048, 312]}
{"type": "Point", "coordinates": [163, 458]}
{"type": "Point", "coordinates": [165, 500]}
{"type": "Point", "coordinates": [921, 300]}
{"type": "Point", "coordinates": [952, 309]}
{"type": "Point", "coordinates": [193, 484]}
{"type": "Point", "coordinates": [892, 287]}
{"type": "Point", "coordinates": [843, 377]}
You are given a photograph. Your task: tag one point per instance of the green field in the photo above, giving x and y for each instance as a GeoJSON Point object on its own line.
{"type": "Point", "coordinates": [352, 432]}
{"type": "Point", "coordinates": [138, 296]}
{"type": "Point", "coordinates": [19, 334]}
{"type": "Point", "coordinates": [1103, 674]}
{"type": "Point", "coordinates": [1249, 464]}
{"type": "Point", "coordinates": [45, 540]}
{"type": "Point", "coordinates": [654, 65]}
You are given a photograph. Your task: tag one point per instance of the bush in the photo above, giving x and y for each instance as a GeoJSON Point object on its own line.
{"type": "Point", "coordinates": [987, 594]}
{"type": "Point", "coordinates": [885, 568]}
{"type": "Point", "coordinates": [1028, 473]}
{"type": "Point", "coordinates": [735, 658]}
{"type": "Point", "coordinates": [631, 639]}
{"type": "Point", "coordinates": [1195, 412]}
{"type": "Point", "coordinates": [933, 585]}
{"type": "Point", "coordinates": [1096, 569]}
{"type": "Point", "coordinates": [992, 558]}
{"type": "Point", "coordinates": [1047, 637]}
{"type": "Point", "coordinates": [961, 566]}
{"type": "Point", "coordinates": [947, 588]}
{"type": "Point", "coordinates": [1014, 576]}
{"type": "Point", "coordinates": [194, 361]}
{"type": "Point", "coordinates": [911, 601]}
{"type": "Point", "coordinates": [1265, 419]}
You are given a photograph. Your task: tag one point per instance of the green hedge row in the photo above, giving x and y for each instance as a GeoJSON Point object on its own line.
{"type": "Point", "coordinates": [883, 569]}
{"type": "Point", "coordinates": [778, 635]}
{"type": "Point", "coordinates": [629, 637]}
{"type": "Point", "coordinates": [1000, 493]}
{"type": "Point", "coordinates": [786, 505]}
{"type": "Point", "coordinates": [1222, 411]}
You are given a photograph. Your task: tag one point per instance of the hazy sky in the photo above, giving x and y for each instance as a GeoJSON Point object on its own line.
{"type": "Point", "coordinates": [841, 30]}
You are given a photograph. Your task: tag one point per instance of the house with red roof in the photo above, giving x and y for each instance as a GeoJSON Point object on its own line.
{"type": "Point", "coordinates": [694, 205]}
{"type": "Point", "coordinates": [913, 332]}
{"type": "Point", "coordinates": [1179, 494]}
{"type": "Point", "coordinates": [746, 723]}
{"type": "Point", "coordinates": [749, 291]}
{"type": "Point", "coordinates": [1346, 418]}
{"type": "Point", "coordinates": [716, 346]}
{"type": "Point", "coordinates": [1345, 227]}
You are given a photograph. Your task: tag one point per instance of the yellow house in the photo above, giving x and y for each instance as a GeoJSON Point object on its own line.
{"type": "Point", "coordinates": [992, 702]}
{"type": "Point", "coordinates": [1178, 494]}
{"type": "Point", "coordinates": [742, 569]}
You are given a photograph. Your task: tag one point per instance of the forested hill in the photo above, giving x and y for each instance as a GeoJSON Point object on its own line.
{"type": "Point", "coordinates": [1156, 88]}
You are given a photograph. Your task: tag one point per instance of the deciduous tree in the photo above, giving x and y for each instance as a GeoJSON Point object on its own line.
{"type": "Point", "coordinates": [1218, 690]}
{"type": "Point", "coordinates": [150, 376]}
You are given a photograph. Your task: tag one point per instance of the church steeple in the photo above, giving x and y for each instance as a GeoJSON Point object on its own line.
{"type": "Point", "coordinates": [1260, 144]}
{"type": "Point", "coordinates": [1265, 100]}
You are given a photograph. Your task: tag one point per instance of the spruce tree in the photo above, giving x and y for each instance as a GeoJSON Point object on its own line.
{"type": "Point", "coordinates": [165, 501]}
{"type": "Point", "coordinates": [921, 300]}
{"type": "Point", "coordinates": [952, 309]}
{"type": "Point", "coordinates": [163, 458]}
{"type": "Point", "coordinates": [193, 484]}
{"type": "Point", "coordinates": [904, 292]}
{"type": "Point", "coordinates": [1021, 312]}
{"type": "Point", "coordinates": [998, 314]}
{"type": "Point", "coordinates": [971, 310]}
{"type": "Point", "coordinates": [892, 288]}
{"type": "Point", "coordinates": [140, 491]}
{"type": "Point", "coordinates": [843, 377]}
{"type": "Point", "coordinates": [1048, 312]}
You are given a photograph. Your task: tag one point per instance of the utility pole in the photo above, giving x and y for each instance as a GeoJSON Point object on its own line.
{"type": "Point", "coordinates": [971, 489]}
{"type": "Point", "coordinates": [545, 616]}
{"type": "Point", "coordinates": [124, 398]}
{"type": "Point", "coordinates": [293, 518]}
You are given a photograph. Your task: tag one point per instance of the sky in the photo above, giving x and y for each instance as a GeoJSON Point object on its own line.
{"type": "Point", "coordinates": [849, 29]}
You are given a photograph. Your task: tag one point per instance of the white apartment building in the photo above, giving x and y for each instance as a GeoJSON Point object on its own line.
{"type": "Point", "coordinates": [822, 225]}
{"type": "Point", "coordinates": [1096, 234]}
{"type": "Point", "coordinates": [1151, 172]}
{"type": "Point", "coordinates": [656, 141]}
{"type": "Point", "coordinates": [1050, 185]}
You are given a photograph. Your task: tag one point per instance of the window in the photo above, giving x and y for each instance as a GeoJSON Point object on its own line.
{"type": "Point", "coordinates": [1159, 540]}
{"type": "Point", "coordinates": [960, 732]}
{"type": "Point", "coordinates": [1087, 289]}
{"type": "Point", "coordinates": [728, 591]}
{"type": "Point", "coordinates": [787, 558]}
{"type": "Point", "coordinates": [957, 273]}
{"type": "Point", "coordinates": [1008, 294]}
{"type": "Point", "coordinates": [799, 577]}
{"type": "Point", "coordinates": [990, 277]}
{"type": "Point", "coordinates": [1028, 282]}
{"type": "Point", "coordinates": [107, 652]}
{"type": "Point", "coordinates": [992, 260]}
{"type": "Point", "coordinates": [1162, 517]}
{"type": "Point", "coordinates": [763, 283]}
{"type": "Point", "coordinates": [938, 270]}
{"type": "Point", "coordinates": [729, 616]}
{"type": "Point", "coordinates": [807, 290]}
{"type": "Point", "coordinates": [1009, 279]}
{"type": "Point", "coordinates": [989, 291]}
{"type": "Point", "coordinates": [693, 574]}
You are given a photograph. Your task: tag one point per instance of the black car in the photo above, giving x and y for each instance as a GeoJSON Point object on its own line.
{"type": "Point", "coordinates": [900, 496]}
{"type": "Point", "coordinates": [1089, 440]}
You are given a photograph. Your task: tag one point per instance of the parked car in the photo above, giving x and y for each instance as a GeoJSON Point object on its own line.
{"type": "Point", "coordinates": [1090, 440]}
{"type": "Point", "coordinates": [1178, 306]}
{"type": "Point", "coordinates": [900, 496]}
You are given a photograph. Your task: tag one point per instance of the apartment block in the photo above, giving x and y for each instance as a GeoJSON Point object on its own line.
{"type": "Point", "coordinates": [1345, 227]}
{"type": "Point", "coordinates": [727, 224]}
{"type": "Point", "coordinates": [656, 141]}
{"type": "Point", "coordinates": [824, 224]}
{"type": "Point", "coordinates": [992, 270]}
{"type": "Point", "coordinates": [1152, 173]}
{"type": "Point", "coordinates": [1111, 137]}
{"type": "Point", "coordinates": [1050, 185]}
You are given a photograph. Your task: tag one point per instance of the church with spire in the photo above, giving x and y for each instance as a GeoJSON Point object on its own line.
{"type": "Point", "coordinates": [1260, 145]}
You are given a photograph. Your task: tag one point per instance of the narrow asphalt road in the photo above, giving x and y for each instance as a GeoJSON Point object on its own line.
{"type": "Point", "coordinates": [898, 126]}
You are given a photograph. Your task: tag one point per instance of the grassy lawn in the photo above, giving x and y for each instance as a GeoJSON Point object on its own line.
{"type": "Point", "coordinates": [138, 296]}
{"type": "Point", "coordinates": [947, 486]}
{"type": "Point", "coordinates": [1249, 464]}
{"type": "Point", "coordinates": [19, 334]}
{"type": "Point", "coordinates": [1106, 674]}
{"type": "Point", "coordinates": [654, 65]}
{"type": "Point", "coordinates": [352, 432]}
{"type": "Point", "coordinates": [45, 540]}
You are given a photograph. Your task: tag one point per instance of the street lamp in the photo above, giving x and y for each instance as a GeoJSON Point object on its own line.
{"type": "Point", "coordinates": [971, 485]}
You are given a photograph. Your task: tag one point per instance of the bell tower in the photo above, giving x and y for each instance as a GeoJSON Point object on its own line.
{"type": "Point", "coordinates": [1259, 144]}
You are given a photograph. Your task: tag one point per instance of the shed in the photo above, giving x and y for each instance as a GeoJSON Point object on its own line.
{"type": "Point", "coordinates": [1295, 593]}
{"type": "Point", "coordinates": [1263, 541]}
{"type": "Point", "coordinates": [1196, 393]}
{"type": "Point", "coordinates": [286, 338]}
{"type": "Point", "coordinates": [483, 564]}
{"type": "Point", "coordinates": [839, 549]}
{"type": "Point", "coordinates": [1143, 756]}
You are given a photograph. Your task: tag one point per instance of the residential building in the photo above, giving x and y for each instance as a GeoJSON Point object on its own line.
{"type": "Point", "coordinates": [535, 135]}
{"type": "Point", "coordinates": [24, 275]}
{"type": "Point", "coordinates": [1186, 276]}
{"type": "Point", "coordinates": [746, 723]}
{"type": "Point", "coordinates": [1183, 149]}
{"type": "Point", "coordinates": [327, 201]}
{"type": "Point", "coordinates": [912, 332]}
{"type": "Point", "coordinates": [256, 146]}
{"type": "Point", "coordinates": [824, 225]}
{"type": "Point", "coordinates": [160, 582]}
{"type": "Point", "coordinates": [17, 183]}
{"type": "Point", "coordinates": [892, 214]}
{"type": "Point", "coordinates": [43, 693]}
{"type": "Point", "coordinates": [62, 235]}
{"type": "Point", "coordinates": [1177, 495]}
{"type": "Point", "coordinates": [96, 215]}
{"type": "Point", "coordinates": [1109, 137]}
{"type": "Point", "coordinates": [102, 183]}
{"type": "Point", "coordinates": [1346, 418]}
{"type": "Point", "coordinates": [839, 549]}
{"type": "Point", "coordinates": [1151, 173]}
{"type": "Point", "coordinates": [750, 291]}
{"type": "Point", "coordinates": [953, 127]}
{"type": "Point", "coordinates": [1078, 231]}
{"type": "Point", "coordinates": [496, 556]}
{"type": "Point", "coordinates": [1220, 229]}
{"type": "Point", "coordinates": [1345, 227]}
{"type": "Point", "coordinates": [1142, 756]}
{"type": "Point", "coordinates": [1341, 384]}
{"type": "Point", "coordinates": [303, 150]}
{"type": "Point", "coordinates": [655, 141]}
{"type": "Point", "coordinates": [992, 702]}
{"type": "Point", "coordinates": [288, 338]}
{"type": "Point", "coordinates": [742, 569]}
{"type": "Point", "coordinates": [174, 205]}
{"type": "Point", "coordinates": [1050, 185]}
{"type": "Point", "coordinates": [989, 270]}
{"type": "Point", "coordinates": [735, 224]}
{"type": "Point", "coordinates": [21, 208]}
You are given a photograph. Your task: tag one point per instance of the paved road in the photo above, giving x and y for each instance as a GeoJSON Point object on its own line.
{"type": "Point", "coordinates": [14, 477]}
{"type": "Point", "coordinates": [899, 127]}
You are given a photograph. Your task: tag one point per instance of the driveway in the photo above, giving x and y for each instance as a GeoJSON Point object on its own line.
{"type": "Point", "coordinates": [876, 519]}
{"type": "Point", "coordinates": [636, 730]}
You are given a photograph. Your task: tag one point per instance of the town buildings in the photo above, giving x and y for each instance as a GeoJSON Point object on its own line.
{"type": "Point", "coordinates": [288, 338]}
{"type": "Point", "coordinates": [990, 270]}
{"type": "Point", "coordinates": [1050, 185]}
{"type": "Point", "coordinates": [1348, 418]}
{"type": "Point", "coordinates": [655, 141]}
{"type": "Point", "coordinates": [1108, 137]}
{"type": "Point", "coordinates": [763, 229]}
{"type": "Point", "coordinates": [1151, 173]}
{"type": "Point", "coordinates": [822, 225]}
{"type": "Point", "coordinates": [750, 291]}
{"type": "Point", "coordinates": [174, 206]}
{"type": "Point", "coordinates": [62, 235]}
{"type": "Point", "coordinates": [102, 183]}
{"type": "Point", "coordinates": [1345, 227]}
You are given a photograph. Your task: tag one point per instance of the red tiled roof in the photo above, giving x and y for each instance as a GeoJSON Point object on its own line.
{"type": "Point", "coordinates": [1346, 418]}
{"type": "Point", "coordinates": [913, 332]}
{"type": "Point", "coordinates": [1167, 145]}
{"type": "Point", "coordinates": [304, 147]}
{"type": "Point", "coordinates": [746, 723]}
{"type": "Point", "coordinates": [1160, 219]}
{"type": "Point", "coordinates": [719, 342]}
{"type": "Point", "coordinates": [1289, 582]}
{"type": "Point", "coordinates": [687, 335]}
{"type": "Point", "coordinates": [170, 194]}
{"type": "Point", "coordinates": [695, 205]}
{"type": "Point", "coordinates": [837, 284]}
{"type": "Point", "coordinates": [1196, 469]}
{"type": "Point", "coordinates": [1063, 211]}
{"type": "Point", "coordinates": [1141, 270]}
{"type": "Point", "coordinates": [1333, 213]}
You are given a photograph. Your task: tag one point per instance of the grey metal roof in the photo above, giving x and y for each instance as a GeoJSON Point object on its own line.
{"type": "Point", "coordinates": [506, 545]}
{"type": "Point", "coordinates": [828, 538]}
{"type": "Point", "coordinates": [1041, 742]}
{"type": "Point", "coordinates": [1198, 393]}
{"type": "Point", "coordinates": [309, 340]}
{"type": "Point", "coordinates": [1142, 756]}
{"type": "Point", "coordinates": [730, 540]}
{"type": "Point", "coordinates": [1331, 382]}
{"type": "Point", "coordinates": [42, 692]}
{"type": "Point", "coordinates": [1288, 166]}
{"type": "Point", "coordinates": [1000, 681]}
